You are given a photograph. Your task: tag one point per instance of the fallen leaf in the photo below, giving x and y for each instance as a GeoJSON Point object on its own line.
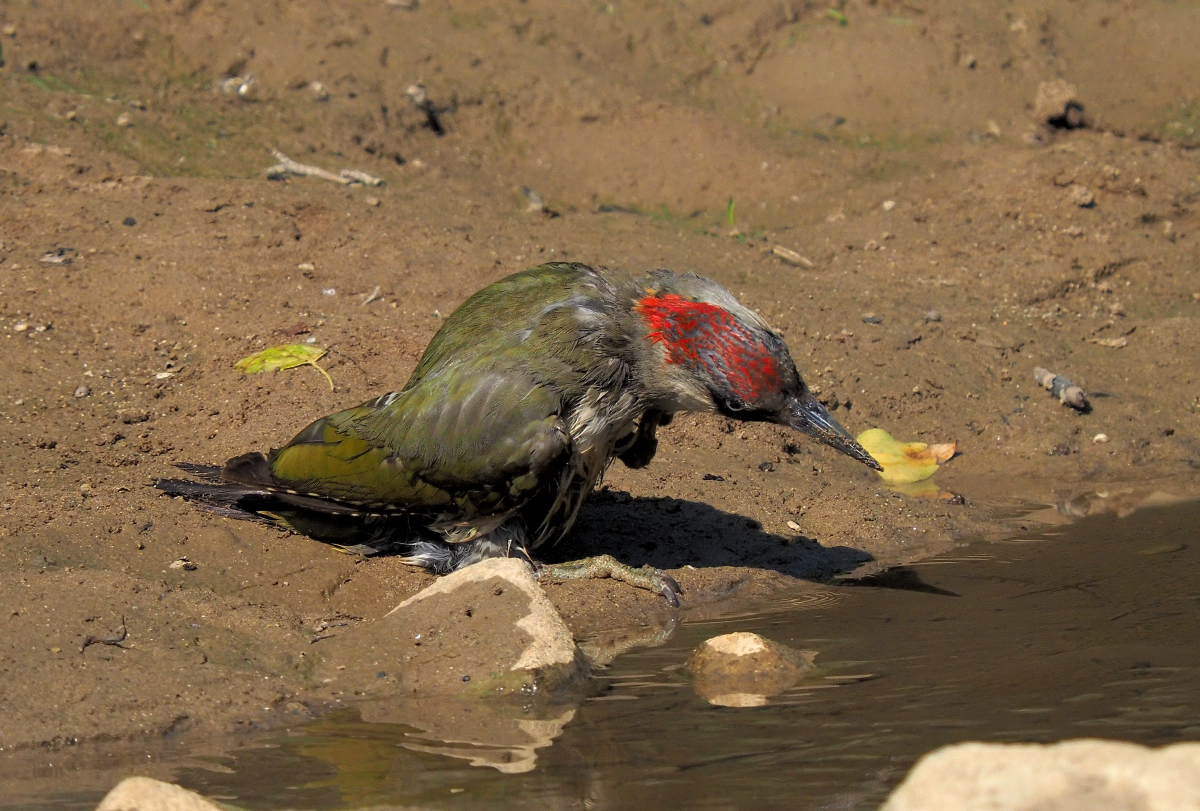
{"type": "Point", "coordinates": [904, 462]}
{"type": "Point", "coordinates": [288, 356]}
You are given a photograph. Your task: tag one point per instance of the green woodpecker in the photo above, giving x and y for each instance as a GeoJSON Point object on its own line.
{"type": "Point", "coordinates": [526, 394]}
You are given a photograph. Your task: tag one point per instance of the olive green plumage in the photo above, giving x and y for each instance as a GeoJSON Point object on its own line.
{"type": "Point", "coordinates": [527, 392]}
{"type": "Point", "coordinates": [478, 429]}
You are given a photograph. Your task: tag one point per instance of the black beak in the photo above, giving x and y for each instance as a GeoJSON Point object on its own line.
{"type": "Point", "coordinates": [805, 413]}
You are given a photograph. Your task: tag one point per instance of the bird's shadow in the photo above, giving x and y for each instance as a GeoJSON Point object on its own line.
{"type": "Point", "coordinates": [668, 533]}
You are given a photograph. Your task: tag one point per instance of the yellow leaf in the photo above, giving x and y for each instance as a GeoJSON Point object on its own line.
{"type": "Point", "coordinates": [904, 462]}
{"type": "Point", "coordinates": [289, 356]}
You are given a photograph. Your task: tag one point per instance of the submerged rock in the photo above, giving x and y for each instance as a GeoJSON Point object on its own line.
{"type": "Point", "coordinates": [146, 794]}
{"type": "Point", "coordinates": [1065, 776]}
{"type": "Point", "coordinates": [744, 669]}
{"type": "Point", "coordinates": [484, 629]}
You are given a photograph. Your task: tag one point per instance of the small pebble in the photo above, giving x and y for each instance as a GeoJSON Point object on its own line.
{"type": "Point", "coordinates": [10, 30]}
{"type": "Point", "coordinates": [1082, 196]}
{"type": "Point", "coordinates": [319, 91]}
{"type": "Point", "coordinates": [871, 318]}
{"type": "Point", "coordinates": [303, 266]}
{"type": "Point", "coordinates": [129, 222]}
{"type": "Point", "coordinates": [82, 391]}
{"type": "Point", "coordinates": [248, 89]}
{"type": "Point", "coordinates": [792, 525]}
{"type": "Point", "coordinates": [1100, 439]}
{"type": "Point", "coordinates": [132, 416]}
{"type": "Point", "coordinates": [124, 120]}
{"type": "Point", "coordinates": [888, 205]}
{"type": "Point", "coordinates": [329, 291]}
{"type": "Point", "coordinates": [372, 201]}
{"type": "Point", "coordinates": [933, 315]}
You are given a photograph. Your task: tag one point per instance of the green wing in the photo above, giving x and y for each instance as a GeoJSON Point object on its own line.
{"type": "Point", "coordinates": [456, 446]}
{"type": "Point", "coordinates": [477, 429]}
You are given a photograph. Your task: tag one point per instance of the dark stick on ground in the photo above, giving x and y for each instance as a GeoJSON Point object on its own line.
{"type": "Point", "coordinates": [115, 640]}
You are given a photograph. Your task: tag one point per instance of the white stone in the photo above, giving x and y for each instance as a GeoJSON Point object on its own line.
{"type": "Point", "coordinates": [1077, 775]}
{"type": "Point", "coordinates": [743, 669]}
{"type": "Point", "coordinates": [147, 794]}
{"type": "Point", "coordinates": [484, 630]}
{"type": "Point", "coordinates": [552, 642]}
{"type": "Point", "coordinates": [740, 643]}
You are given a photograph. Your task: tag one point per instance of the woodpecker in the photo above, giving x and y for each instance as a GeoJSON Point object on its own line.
{"type": "Point", "coordinates": [522, 399]}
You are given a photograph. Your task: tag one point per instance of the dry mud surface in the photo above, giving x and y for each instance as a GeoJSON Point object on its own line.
{"type": "Point", "coordinates": [953, 243]}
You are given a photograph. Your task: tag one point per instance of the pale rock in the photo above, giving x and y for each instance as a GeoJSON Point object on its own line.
{"type": "Point", "coordinates": [1082, 196]}
{"type": "Point", "coordinates": [486, 629]}
{"type": "Point", "coordinates": [1078, 775]}
{"type": "Point", "coordinates": [743, 669]}
{"type": "Point", "coordinates": [147, 794]}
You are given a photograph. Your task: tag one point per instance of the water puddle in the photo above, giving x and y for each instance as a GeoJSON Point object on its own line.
{"type": "Point", "coordinates": [1087, 630]}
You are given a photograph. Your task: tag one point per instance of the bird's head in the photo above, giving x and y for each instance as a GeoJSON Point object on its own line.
{"type": "Point", "coordinates": [705, 351]}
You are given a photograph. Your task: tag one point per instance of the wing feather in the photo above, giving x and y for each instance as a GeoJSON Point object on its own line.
{"type": "Point", "coordinates": [455, 446]}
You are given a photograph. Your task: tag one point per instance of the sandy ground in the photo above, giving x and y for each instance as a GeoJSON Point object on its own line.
{"type": "Point", "coordinates": [953, 243]}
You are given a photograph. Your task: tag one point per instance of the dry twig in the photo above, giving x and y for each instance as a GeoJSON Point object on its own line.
{"type": "Point", "coordinates": [115, 641]}
{"type": "Point", "coordinates": [289, 168]}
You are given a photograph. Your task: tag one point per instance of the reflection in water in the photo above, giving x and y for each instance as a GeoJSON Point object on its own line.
{"type": "Point", "coordinates": [901, 578]}
{"type": "Point", "coordinates": [504, 736]}
{"type": "Point", "coordinates": [1094, 631]}
{"type": "Point", "coordinates": [1124, 502]}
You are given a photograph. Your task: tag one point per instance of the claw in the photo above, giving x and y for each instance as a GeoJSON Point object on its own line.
{"type": "Point", "coordinates": [671, 590]}
{"type": "Point", "coordinates": [667, 586]}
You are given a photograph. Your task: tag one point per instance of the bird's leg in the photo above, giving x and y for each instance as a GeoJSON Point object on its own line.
{"type": "Point", "coordinates": [608, 566]}
{"type": "Point", "coordinates": [643, 443]}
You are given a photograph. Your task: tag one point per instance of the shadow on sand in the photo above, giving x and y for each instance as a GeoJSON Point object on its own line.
{"type": "Point", "coordinates": [667, 533]}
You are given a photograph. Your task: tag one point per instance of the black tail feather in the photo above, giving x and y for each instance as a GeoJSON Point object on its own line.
{"type": "Point", "coordinates": [251, 469]}
{"type": "Point", "coordinates": [208, 473]}
{"type": "Point", "coordinates": [227, 500]}
{"type": "Point", "coordinates": [323, 519]}
{"type": "Point", "coordinates": [313, 516]}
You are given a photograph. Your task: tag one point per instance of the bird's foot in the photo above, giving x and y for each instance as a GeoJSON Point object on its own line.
{"type": "Point", "coordinates": [608, 566]}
